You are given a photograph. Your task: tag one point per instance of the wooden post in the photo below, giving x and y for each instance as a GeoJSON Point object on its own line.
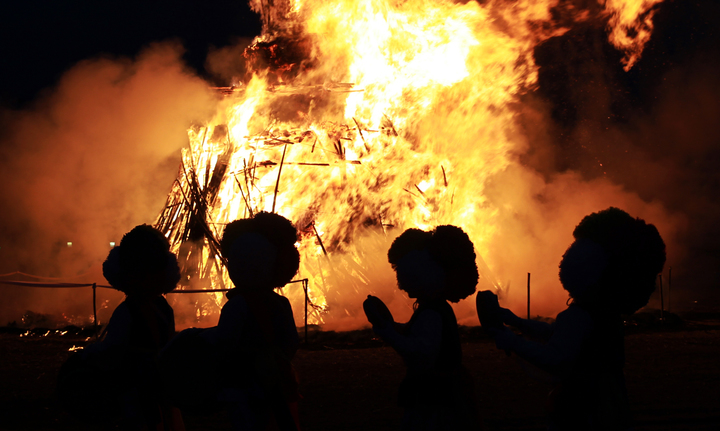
{"type": "Point", "coordinates": [662, 301]}
{"type": "Point", "coordinates": [528, 297]}
{"type": "Point", "coordinates": [95, 320]}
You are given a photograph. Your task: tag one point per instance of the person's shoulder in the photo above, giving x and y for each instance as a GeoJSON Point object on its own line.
{"type": "Point", "coordinates": [160, 300]}
{"type": "Point", "coordinates": [123, 309]}
{"type": "Point", "coordinates": [121, 316]}
{"type": "Point", "coordinates": [279, 298]}
{"type": "Point", "coordinates": [575, 315]}
{"type": "Point", "coordinates": [163, 305]}
{"type": "Point", "coordinates": [235, 302]}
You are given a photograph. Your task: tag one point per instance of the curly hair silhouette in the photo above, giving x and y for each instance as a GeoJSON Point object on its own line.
{"type": "Point", "coordinates": [624, 252]}
{"type": "Point", "coordinates": [142, 263]}
{"type": "Point", "coordinates": [279, 232]}
{"type": "Point", "coordinates": [448, 246]}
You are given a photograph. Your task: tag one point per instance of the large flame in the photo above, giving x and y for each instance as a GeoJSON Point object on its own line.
{"type": "Point", "coordinates": [364, 118]}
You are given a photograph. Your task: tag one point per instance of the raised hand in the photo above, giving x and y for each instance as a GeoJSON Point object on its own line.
{"type": "Point", "coordinates": [377, 312]}
{"type": "Point", "coordinates": [489, 311]}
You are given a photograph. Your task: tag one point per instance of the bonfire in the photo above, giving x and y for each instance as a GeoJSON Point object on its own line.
{"type": "Point", "coordinates": [358, 119]}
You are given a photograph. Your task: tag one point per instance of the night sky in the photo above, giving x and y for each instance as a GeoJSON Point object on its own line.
{"type": "Point", "coordinates": [43, 39]}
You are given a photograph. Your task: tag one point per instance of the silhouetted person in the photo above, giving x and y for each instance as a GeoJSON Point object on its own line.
{"type": "Point", "coordinates": [609, 271]}
{"type": "Point", "coordinates": [143, 268]}
{"type": "Point", "coordinates": [251, 348]}
{"type": "Point", "coordinates": [434, 268]}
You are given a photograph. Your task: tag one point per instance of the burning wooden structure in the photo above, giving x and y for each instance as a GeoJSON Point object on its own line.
{"type": "Point", "coordinates": [355, 118]}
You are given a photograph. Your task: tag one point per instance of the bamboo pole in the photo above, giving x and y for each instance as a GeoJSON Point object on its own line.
{"type": "Point", "coordinates": [317, 235]}
{"type": "Point", "coordinates": [528, 297]}
{"type": "Point", "coordinates": [247, 204]}
{"type": "Point", "coordinates": [367, 148]}
{"type": "Point", "coordinates": [277, 183]}
{"type": "Point", "coordinates": [247, 185]}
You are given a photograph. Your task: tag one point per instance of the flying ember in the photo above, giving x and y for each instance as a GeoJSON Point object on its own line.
{"type": "Point", "coordinates": [359, 119]}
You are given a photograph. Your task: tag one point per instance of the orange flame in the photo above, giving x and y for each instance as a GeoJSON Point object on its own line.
{"type": "Point", "coordinates": [398, 115]}
{"type": "Point", "coordinates": [630, 26]}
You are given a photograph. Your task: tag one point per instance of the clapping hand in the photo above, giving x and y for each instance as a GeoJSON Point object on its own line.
{"type": "Point", "coordinates": [488, 310]}
{"type": "Point", "coordinates": [377, 312]}
{"type": "Point", "coordinates": [491, 317]}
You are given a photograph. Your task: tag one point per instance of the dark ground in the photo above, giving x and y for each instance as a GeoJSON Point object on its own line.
{"type": "Point", "coordinates": [349, 381]}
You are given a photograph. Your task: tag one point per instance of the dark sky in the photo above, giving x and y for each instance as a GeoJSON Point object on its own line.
{"type": "Point", "coordinates": [43, 38]}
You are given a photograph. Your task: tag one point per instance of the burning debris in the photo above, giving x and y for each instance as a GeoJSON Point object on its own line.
{"type": "Point", "coordinates": [283, 58]}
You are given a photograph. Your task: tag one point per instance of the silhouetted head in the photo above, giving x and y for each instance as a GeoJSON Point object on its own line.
{"type": "Point", "coordinates": [260, 251]}
{"type": "Point", "coordinates": [613, 263]}
{"type": "Point", "coordinates": [436, 264]}
{"type": "Point", "coordinates": [142, 264]}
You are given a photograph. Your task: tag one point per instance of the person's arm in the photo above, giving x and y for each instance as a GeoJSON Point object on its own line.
{"type": "Point", "coordinates": [532, 328]}
{"type": "Point", "coordinates": [419, 348]}
{"type": "Point", "coordinates": [562, 349]}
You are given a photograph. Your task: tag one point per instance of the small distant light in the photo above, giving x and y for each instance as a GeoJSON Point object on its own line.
{"type": "Point", "coordinates": [69, 244]}
{"type": "Point", "coordinates": [112, 243]}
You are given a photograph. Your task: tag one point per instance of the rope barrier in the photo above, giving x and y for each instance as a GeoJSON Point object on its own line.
{"type": "Point", "coordinates": [41, 277]}
{"type": "Point", "coordinates": [50, 285]}
{"type": "Point", "coordinates": [94, 287]}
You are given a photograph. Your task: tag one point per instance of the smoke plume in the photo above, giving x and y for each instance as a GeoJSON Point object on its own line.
{"type": "Point", "coordinates": [93, 158]}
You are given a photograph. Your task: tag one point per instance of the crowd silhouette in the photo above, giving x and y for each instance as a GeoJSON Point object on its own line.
{"type": "Point", "coordinates": [144, 367]}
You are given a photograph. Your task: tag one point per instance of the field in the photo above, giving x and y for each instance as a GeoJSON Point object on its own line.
{"type": "Point", "coordinates": [349, 381]}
